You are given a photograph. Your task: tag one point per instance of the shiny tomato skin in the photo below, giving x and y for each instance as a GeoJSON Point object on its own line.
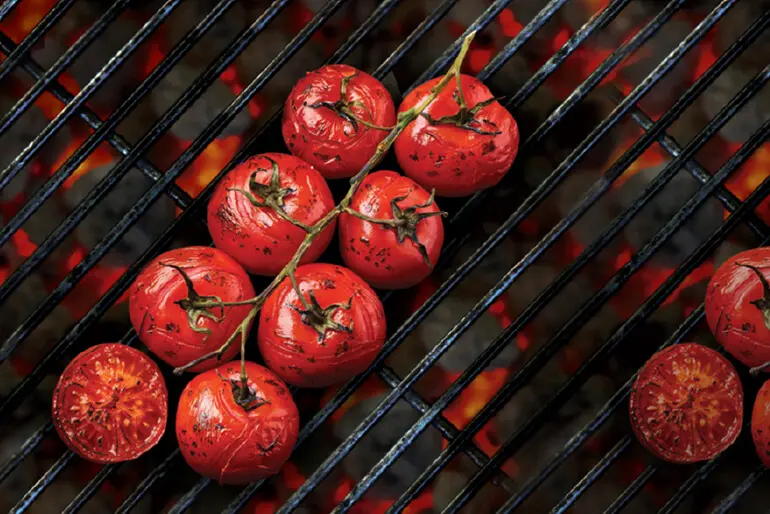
{"type": "Point", "coordinates": [760, 423]}
{"type": "Point", "coordinates": [373, 251]}
{"type": "Point", "coordinates": [683, 390]}
{"type": "Point", "coordinates": [110, 404]}
{"type": "Point", "coordinates": [163, 326]}
{"type": "Point", "coordinates": [737, 324]}
{"type": "Point", "coordinates": [257, 237]}
{"type": "Point", "coordinates": [452, 160]}
{"type": "Point", "coordinates": [322, 137]}
{"type": "Point", "coordinates": [292, 348]}
{"type": "Point", "coordinates": [221, 440]}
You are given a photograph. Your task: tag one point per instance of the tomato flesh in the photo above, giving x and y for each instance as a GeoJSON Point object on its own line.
{"type": "Point", "coordinates": [687, 404]}
{"type": "Point", "coordinates": [110, 404]}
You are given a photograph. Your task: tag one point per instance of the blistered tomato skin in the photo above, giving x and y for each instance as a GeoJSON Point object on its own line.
{"type": "Point", "coordinates": [334, 340]}
{"type": "Point", "coordinates": [373, 251]}
{"type": "Point", "coordinates": [457, 160]}
{"type": "Point", "coordinates": [161, 322]}
{"type": "Point", "coordinates": [260, 239]}
{"type": "Point", "coordinates": [226, 442]}
{"type": "Point", "coordinates": [110, 404]}
{"type": "Point", "coordinates": [738, 306]}
{"type": "Point", "coordinates": [687, 404]}
{"type": "Point", "coordinates": [318, 128]}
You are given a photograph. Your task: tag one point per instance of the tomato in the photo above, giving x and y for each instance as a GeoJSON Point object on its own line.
{"type": "Point", "coordinates": [760, 423]}
{"type": "Point", "coordinates": [457, 151]}
{"type": "Point", "coordinates": [172, 329]}
{"type": "Point", "coordinates": [251, 211]}
{"type": "Point", "coordinates": [334, 337]}
{"type": "Point", "coordinates": [687, 404]}
{"type": "Point", "coordinates": [231, 440]}
{"type": "Point", "coordinates": [391, 256]}
{"type": "Point", "coordinates": [335, 117]}
{"type": "Point", "coordinates": [738, 306]}
{"type": "Point", "coordinates": [110, 404]}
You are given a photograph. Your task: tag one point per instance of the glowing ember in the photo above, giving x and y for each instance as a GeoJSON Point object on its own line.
{"type": "Point", "coordinates": [24, 17]}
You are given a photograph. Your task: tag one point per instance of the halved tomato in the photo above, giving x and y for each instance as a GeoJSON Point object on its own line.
{"type": "Point", "coordinates": [687, 404]}
{"type": "Point", "coordinates": [760, 423]}
{"type": "Point", "coordinates": [110, 404]}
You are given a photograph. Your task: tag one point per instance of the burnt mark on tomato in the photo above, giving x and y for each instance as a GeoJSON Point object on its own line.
{"type": "Point", "coordinates": [207, 277]}
{"type": "Point", "coordinates": [343, 347]}
{"type": "Point", "coordinates": [363, 240]}
{"type": "Point", "coordinates": [311, 359]}
{"type": "Point", "coordinates": [296, 369]}
{"type": "Point", "coordinates": [432, 173]}
{"type": "Point", "coordinates": [463, 156]}
{"type": "Point", "coordinates": [329, 284]}
{"type": "Point", "coordinates": [266, 449]}
{"type": "Point", "coordinates": [272, 382]}
{"type": "Point", "coordinates": [172, 327]}
{"type": "Point", "coordinates": [295, 347]}
{"type": "Point", "coordinates": [225, 217]}
{"type": "Point", "coordinates": [439, 160]}
{"type": "Point", "coordinates": [267, 251]}
{"type": "Point", "coordinates": [488, 147]}
{"type": "Point", "coordinates": [748, 327]}
{"type": "Point", "coordinates": [414, 156]}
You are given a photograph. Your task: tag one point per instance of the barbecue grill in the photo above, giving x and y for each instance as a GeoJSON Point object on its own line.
{"type": "Point", "coordinates": [729, 173]}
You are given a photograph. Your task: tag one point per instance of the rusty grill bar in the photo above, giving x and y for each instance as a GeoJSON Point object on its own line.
{"type": "Point", "coordinates": [17, 56]}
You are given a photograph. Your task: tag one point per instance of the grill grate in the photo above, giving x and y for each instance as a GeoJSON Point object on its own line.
{"type": "Point", "coordinates": [17, 56]}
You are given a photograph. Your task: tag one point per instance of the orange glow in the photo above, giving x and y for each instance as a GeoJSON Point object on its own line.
{"type": "Point", "coordinates": [23, 244]}
{"type": "Point", "coordinates": [24, 17]}
{"type": "Point", "coordinates": [208, 164]}
{"type": "Point", "coordinates": [653, 156]}
{"type": "Point", "coordinates": [749, 176]}
{"type": "Point", "coordinates": [370, 388]}
{"type": "Point", "coordinates": [231, 79]}
{"type": "Point", "coordinates": [101, 156]}
{"type": "Point", "coordinates": [706, 56]}
{"type": "Point", "coordinates": [509, 24]}
{"type": "Point", "coordinates": [292, 476]}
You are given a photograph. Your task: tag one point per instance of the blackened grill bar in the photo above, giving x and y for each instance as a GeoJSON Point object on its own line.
{"type": "Point", "coordinates": [522, 212]}
{"type": "Point", "coordinates": [742, 211]}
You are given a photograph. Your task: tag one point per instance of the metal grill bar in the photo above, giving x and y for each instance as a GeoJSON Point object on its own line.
{"type": "Point", "coordinates": [728, 503]}
{"type": "Point", "coordinates": [50, 19]}
{"type": "Point", "coordinates": [597, 471]}
{"type": "Point", "coordinates": [122, 111]}
{"type": "Point", "coordinates": [604, 294]}
{"type": "Point", "coordinates": [144, 486]}
{"type": "Point", "coordinates": [90, 489]}
{"type": "Point", "coordinates": [631, 491]}
{"type": "Point", "coordinates": [62, 63]}
{"type": "Point", "coordinates": [471, 373]}
{"type": "Point", "coordinates": [7, 7]}
{"type": "Point", "coordinates": [697, 477]}
{"type": "Point", "coordinates": [21, 160]}
{"type": "Point", "coordinates": [673, 148]}
{"type": "Point", "coordinates": [146, 200]}
{"type": "Point", "coordinates": [118, 142]}
{"type": "Point", "coordinates": [44, 481]}
{"type": "Point", "coordinates": [30, 444]}
{"type": "Point", "coordinates": [419, 369]}
{"type": "Point", "coordinates": [392, 380]}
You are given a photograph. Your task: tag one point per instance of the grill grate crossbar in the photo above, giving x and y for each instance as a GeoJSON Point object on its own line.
{"type": "Point", "coordinates": [459, 440]}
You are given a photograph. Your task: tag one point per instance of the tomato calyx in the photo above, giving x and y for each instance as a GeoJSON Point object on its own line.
{"type": "Point", "coordinates": [243, 395]}
{"type": "Point", "coordinates": [405, 221]}
{"type": "Point", "coordinates": [763, 303]}
{"type": "Point", "coordinates": [272, 194]}
{"type": "Point", "coordinates": [197, 306]}
{"type": "Point", "coordinates": [466, 118]}
{"type": "Point", "coordinates": [344, 107]}
{"type": "Point", "coordinates": [319, 318]}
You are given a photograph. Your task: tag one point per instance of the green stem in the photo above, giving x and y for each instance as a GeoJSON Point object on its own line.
{"type": "Point", "coordinates": [404, 119]}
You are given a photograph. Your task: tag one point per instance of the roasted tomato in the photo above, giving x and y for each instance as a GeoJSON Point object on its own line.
{"type": "Point", "coordinates": [233, 436]}
{"type": "Point", "coordinates": [330, 335]}
{"type": "Point", "coordinates": [738, 306]}
{"type": "Point", "coordinates": [760, 423]}
{"type": "Point", "coordinates": [259, 212]}
{"type": "Point", "coordinates": [110, 404]}
{"type": "Point", "coordinates": [687, 404]}
{"type": "Point", "coordinates": [335, 117]}
{"type": "Point", "coordinates": [163, 310]}
{"type": "Point", "coordinates": [398, 250]}
{"type": "Point", "coordinates": [456, 147]}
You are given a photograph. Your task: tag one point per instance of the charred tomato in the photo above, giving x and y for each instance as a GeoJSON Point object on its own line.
{"type": "Point", "coordinates": [110, 404]}
{"type": "Point", "coordinates": [463, 142]}
{"type": "Point", "coordinates": [231, 438]}
{"type": "Point", "coordinates": [330, 334]}
{"type": "Point", "coordinates": [738, 306]}
{"type": "Point", "coordinates": [398, 250]}
{"type": "Point", "coordinates": [260, 211]}
{"type": "Point", "coordinates": [760, 423]}
{"type": "Point", "coordinates": [335, 117]}
{"type": "Point", "coordinates": [687, 404]}
{"type": "Point", "coordinates": [163, 310]}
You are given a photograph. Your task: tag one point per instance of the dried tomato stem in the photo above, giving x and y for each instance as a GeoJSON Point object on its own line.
{"type": "Point", "coordinates": [404, 119]}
